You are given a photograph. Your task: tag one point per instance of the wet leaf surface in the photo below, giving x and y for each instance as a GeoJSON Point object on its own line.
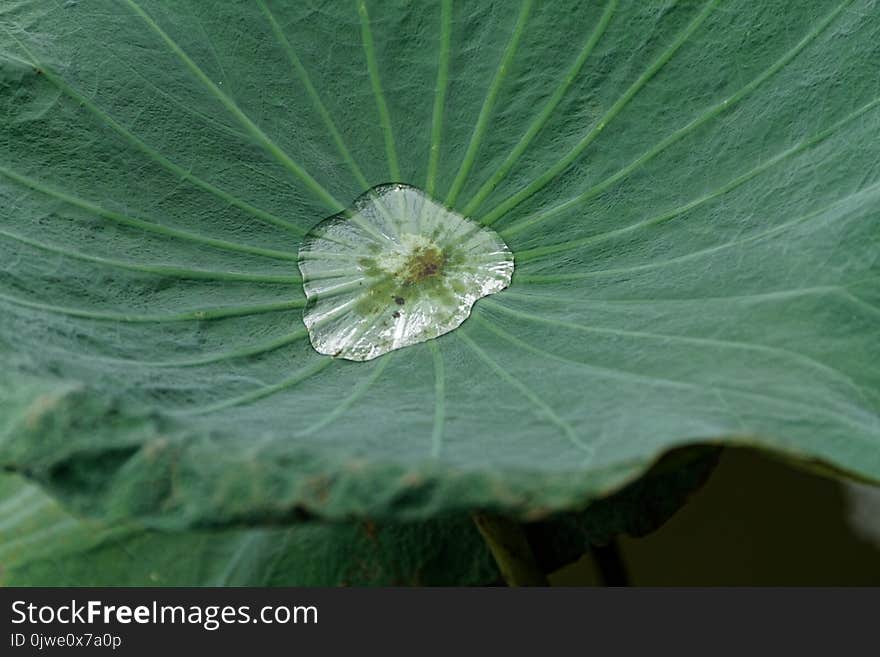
{"type": "Point", "coordinates": [690, 192]}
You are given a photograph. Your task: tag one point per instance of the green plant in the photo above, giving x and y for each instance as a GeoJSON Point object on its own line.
{"type": "Point", "coordinates": [690, 191]}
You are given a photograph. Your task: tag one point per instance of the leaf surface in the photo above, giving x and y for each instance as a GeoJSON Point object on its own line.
{"type": "Point", "coordinates": [691, 192]}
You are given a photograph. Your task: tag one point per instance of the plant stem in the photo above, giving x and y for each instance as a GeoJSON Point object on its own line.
{"type": "Point", "coordinates": [510, 547]}
{"type": "Point", "coordinates": [609, 564]}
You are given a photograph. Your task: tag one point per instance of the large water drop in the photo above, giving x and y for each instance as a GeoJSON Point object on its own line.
{"type": "Point", "coordinates": [395, 269]}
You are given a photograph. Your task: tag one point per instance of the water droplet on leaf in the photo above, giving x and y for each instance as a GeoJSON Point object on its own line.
{"type": "Point", "coordinates": [395, 269]}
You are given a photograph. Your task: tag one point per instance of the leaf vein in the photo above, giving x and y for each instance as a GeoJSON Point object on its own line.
{"type": "Point", "coordinates": [253, 129]}
{"type": "Point", "coordinates": [542, 119]}
{"type": "Point", "coordinates": [545, 410]}
{"type": "Point", "coordinates": [679, 134]}
{"type": "Point", "coordinates": [489, 102]}
{"type": "Point", "coordinates": [538, 252]}
{"type": "Point", "coordinates": [544, 179]}
{"type": "Point", "coordinates": [376, 83]}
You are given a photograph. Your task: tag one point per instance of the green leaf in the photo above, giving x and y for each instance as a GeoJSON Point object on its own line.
{"type": "Point", "coordinates": [42, 544]}
{"type": "Point", "coordinates": [690, 190]}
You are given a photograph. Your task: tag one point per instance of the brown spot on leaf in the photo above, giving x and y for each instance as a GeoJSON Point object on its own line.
{"type": "Point", "coordinates": [425, 262]}
{"type": "Point", "coordinates": [399, 301]}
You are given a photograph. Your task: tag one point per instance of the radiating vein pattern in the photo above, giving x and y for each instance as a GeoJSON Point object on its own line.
{"type": "Point", "coordinates": [545, 114]}
{"type": "Point", "coordinates": [295, 168]}
{"type": "Point", "coordinates": [741, 179]}
{"type": "Point", "coordinates": [486, 110]}
{"type": "Point", "coordinates": [212, 213]}
{"type": "Point", "coordinates": [507, 205]}
{"type": "Point", "coordinates": [724, 105]}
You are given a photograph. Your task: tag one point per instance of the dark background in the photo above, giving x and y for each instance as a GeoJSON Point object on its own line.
{"type": "Point", "coordinates": [755, 522]}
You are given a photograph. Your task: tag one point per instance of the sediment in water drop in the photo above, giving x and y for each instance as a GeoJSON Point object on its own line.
{"type": "Point", "coordinates": [395, 269]}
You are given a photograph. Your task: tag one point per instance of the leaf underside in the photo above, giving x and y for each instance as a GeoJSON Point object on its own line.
{"type": "Point", "coordinates": [691, 192]}
{"type": "Point", "coordinates": [41, 544]}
